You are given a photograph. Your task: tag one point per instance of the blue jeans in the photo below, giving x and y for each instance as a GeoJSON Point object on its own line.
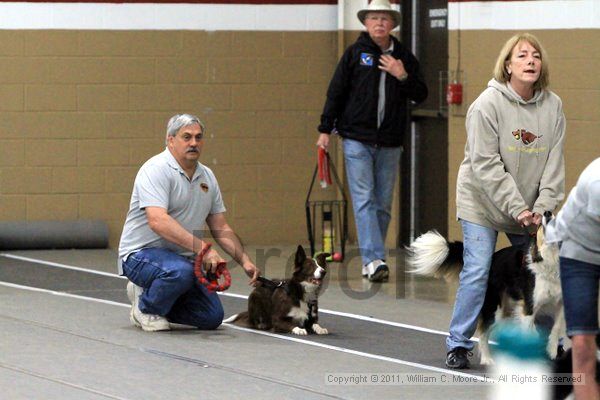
{"type": "Point", "coordinates": [479, 246]}
{"type": "Point", "coordinates": [371, 173]}
{"type": "Point", "coordinates": [171, 289]}
{"type": "Point", "coordinates": [579, 281]}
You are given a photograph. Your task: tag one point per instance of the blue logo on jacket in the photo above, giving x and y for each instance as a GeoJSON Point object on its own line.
{"type": "Point", "coordinates": [366, 59]}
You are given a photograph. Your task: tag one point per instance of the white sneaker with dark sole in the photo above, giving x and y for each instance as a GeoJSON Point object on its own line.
{"type": "Point", "coordinates": [376, 271]}
{"type": "Point", "coordinates": [365, 271]}
{"type": "Point", "coordinates": [381, 274]}
{"type": "Point", "coordinates": [133, 294]}
{"type": "Point", "coordinates": [148, 322]}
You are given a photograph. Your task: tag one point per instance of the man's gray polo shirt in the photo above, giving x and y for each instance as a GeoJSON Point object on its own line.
{"type": "Point", "coordinates": [161, 182]}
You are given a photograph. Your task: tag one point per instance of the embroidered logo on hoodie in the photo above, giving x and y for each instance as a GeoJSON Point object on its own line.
{"type": "Point", "coordinates": [525, 136]}
{"type": "Point", "coordinates": [366, 59]}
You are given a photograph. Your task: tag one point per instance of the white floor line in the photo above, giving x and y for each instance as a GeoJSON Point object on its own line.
{"type": "Point", "coordinates": [366, 318]}
{"type": "Point", "coordinates": [273, 335]}
{"type": "Point", "coordinates": [240, 296]}
{"type": "Point", "coordinates": [361, 353]}
{"type": "Point", "coordinates": [64, 266]}
{"type": "Point", "coordinates": [63, 294]}
{"type": "Point", "coordinates": [383, 321]}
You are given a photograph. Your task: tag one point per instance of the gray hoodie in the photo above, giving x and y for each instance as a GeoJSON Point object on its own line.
{"type": "Point", "coordinates": [513, 157]}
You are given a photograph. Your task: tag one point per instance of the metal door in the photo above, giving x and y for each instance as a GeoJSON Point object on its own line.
{"type": "Point", "coordinates": [424, 188]}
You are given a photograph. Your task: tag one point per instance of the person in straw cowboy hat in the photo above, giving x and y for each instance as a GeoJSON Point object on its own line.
{"type": "Point", "coordinates": [366, 105]}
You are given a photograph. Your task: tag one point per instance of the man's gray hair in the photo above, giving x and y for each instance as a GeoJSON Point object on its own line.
{"type": "Point", "coordinates": [178, 121]}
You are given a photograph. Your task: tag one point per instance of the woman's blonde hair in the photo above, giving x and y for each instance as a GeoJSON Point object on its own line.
{"type": "Point", "coordinates": [500, 72]}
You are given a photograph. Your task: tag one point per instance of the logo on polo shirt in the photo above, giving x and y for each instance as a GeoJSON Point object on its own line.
{"type": "Point", "coordinates": [204, 187]}
{"type": "Point", "coordinates": [366, 59]}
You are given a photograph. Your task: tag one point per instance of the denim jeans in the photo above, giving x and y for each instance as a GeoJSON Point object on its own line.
{"type": "Point", "coordinates": [371, 173]}
{"type": "Point", "coordinates": [479, 246]}
{"type": "Point", "coordinates": [171, 289]}
{"type": "Point", "coordinates": [579, 281]}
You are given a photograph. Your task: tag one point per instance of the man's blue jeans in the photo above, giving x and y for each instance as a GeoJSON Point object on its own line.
{"type": "Point", "coordinates": [171, 289]}
{"type": "Point", "coordinates": [371, 173]}
{"type": "Point", "coordinates": [479, 246]}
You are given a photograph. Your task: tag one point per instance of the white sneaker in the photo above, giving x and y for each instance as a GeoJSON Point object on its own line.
{"type": "Point", "coordinates": [148, 322]}
{"type": "Point", "coordinates": [133, 294]}
{"type": "Point", "coordinates": [365, 271]}
{"type": "Point", "coordinates": [376, 271]}
{"type": "Point", "coordinates": [369, 268]}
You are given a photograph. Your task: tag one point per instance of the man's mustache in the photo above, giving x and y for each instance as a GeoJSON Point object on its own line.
{"type": "Point", "coordinates": [192, 150]}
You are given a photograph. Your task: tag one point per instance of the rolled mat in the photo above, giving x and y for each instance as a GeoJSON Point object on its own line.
{"type": "Point", "coordinates": [80, 234]}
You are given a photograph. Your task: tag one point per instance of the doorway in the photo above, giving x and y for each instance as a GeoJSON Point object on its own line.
{"type": "Point", "coordinates": [424, 183]}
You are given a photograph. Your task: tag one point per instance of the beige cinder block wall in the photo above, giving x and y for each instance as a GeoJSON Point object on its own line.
{"type": "Point", "coordinates": [81, 110]}
{"type": "Point", "coordinates": [573, 57]}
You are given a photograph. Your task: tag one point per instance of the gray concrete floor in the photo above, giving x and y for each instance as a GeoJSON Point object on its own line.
{"type": "Point", "coordinates": [66, 334]}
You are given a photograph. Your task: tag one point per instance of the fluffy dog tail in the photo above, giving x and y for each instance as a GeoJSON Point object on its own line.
{"type": "Point", "coordinates": [431, 255]}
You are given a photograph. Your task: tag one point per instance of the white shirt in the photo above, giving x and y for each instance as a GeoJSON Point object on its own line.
{"type": "Point", "coordinates": [577, 225]}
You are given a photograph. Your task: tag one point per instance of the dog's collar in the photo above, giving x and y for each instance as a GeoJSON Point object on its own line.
{"type": "Point", "coordinates": [272, 285]}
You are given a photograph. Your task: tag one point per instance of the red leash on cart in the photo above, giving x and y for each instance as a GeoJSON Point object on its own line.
{"type": "Point", "coordinates": [211, 280]}
{"type": "Point", "coordinates": [324, 171]}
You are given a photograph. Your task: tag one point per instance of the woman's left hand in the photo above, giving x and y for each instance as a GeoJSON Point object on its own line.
{"type": "Point", "coordinates": [525, 218]}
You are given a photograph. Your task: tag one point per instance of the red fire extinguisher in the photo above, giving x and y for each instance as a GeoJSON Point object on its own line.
{"type": "Point", "coordinates": [454, 93]}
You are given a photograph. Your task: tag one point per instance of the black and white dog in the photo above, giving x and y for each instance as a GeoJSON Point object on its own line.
{"type": "Point", "coordinates": [289, 305]}
{"type": "Point", "coordinates": [520, 284]}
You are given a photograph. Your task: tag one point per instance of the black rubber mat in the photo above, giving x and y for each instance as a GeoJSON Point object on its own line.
{"type": "Point", "coordinates": [364, 336]}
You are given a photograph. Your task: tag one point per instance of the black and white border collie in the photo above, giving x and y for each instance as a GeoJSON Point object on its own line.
{"type": "Point", "coordinates": [520, 284]}
{"type": "Point", "coordinates": [290, 305]}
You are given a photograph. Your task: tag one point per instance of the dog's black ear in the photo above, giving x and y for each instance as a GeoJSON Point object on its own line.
{"type": "Point", "coordinates": [300, 256]}
{"type": "Point", "coordinates": [548, 216]}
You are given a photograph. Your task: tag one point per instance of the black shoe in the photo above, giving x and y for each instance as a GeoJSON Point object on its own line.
{"type": "Point", "coordinates": [458, 358]}
{"type": "Point", "coordinates": [381, 274]}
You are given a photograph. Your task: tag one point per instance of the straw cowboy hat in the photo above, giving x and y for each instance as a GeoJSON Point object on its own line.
{"type": "Point", "coordinates": [379, 6]}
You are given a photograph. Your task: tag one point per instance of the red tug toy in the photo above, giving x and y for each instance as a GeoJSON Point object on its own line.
{"type": "Point", "coordinates": [211, 280]}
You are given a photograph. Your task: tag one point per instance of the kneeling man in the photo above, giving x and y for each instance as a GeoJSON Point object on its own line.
{"type": "Point", "coordinates": [174, 197]}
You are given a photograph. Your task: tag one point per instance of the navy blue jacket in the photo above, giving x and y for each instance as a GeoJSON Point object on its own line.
{"type": "Point", "coordinates": [351, 106]}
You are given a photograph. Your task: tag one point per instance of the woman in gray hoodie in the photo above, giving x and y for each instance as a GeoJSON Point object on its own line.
{"type": "Point", "coordinates": [512, 172]}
